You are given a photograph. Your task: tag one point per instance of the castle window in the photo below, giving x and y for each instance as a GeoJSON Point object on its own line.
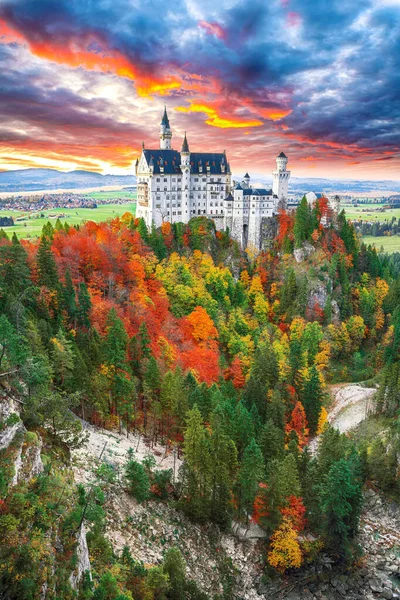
{"type": "Point", "coordinates": [158, 179]}
{"type": "Point", "coordinates": [173, 179]}
{"type": "Point", "coordinates": [158, 189]}
{"type": "Point", "coordinates": [165, 179]}
{"type": "Point", "coordinates": [158, 205]}
{"type": "Point", "coordinates": [196, 178]}
{"type": "Point", "coordinates": [179, 212]}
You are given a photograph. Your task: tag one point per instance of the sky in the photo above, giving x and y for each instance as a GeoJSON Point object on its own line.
{"type": "Point", "coordinates": [84, 82]}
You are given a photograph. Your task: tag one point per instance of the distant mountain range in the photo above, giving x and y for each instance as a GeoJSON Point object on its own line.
{"type": "Point", "coordinates": [301, 185]}
{"type": "Point", "coordinates": [29, 180]}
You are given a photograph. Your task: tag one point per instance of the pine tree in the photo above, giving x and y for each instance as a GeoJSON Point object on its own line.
{"type": "Point", "coordinates": [196, 450]}
{"type": "Point", "coordinates": [312, 396]}
{"type": "Point", "coordinates": [272, 442]}
{"type": "Point", "coordinates": [341, 500]}
{"type": "Point", "coordinates": [143, 231]}
{"type": "Point", "coordinates": [250, 475]}
{"type": "Point", "coordinates": [223, 463]}
{"type": "Point", "coordinates": [137, 478]}
{"type": "Point", "coordinates": [69, 297]}
{"type": "Point", "coordinates": [302, 223]}
{"type": "Point", "coordinates": [263, 376]}
{"type": "Point", "coordinates": [84, 305]}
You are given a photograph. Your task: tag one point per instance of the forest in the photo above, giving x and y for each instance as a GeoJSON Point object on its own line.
{"type": "Point", "coordinates": [225, 358]}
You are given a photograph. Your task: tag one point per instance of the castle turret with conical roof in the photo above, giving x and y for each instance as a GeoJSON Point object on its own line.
{"type": "Point", "coordinates": [185, 146]}
{"type": "Point", "coordinates": [280, 179]}
{"type": "Point", "coordinates": [165, 132]}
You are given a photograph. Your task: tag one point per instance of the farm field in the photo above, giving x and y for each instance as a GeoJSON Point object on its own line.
{"type": "Point", "coordinates": [370, 212]}
{"type": "Point", "coordinates": [112, 194]}
{"type": "Point", "coordinates": [73, 216]}
{"type": "Point", "coordinates": [390, 244]}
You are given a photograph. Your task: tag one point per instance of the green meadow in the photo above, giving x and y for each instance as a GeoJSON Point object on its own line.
{"type": "Point", "coordinates": [32, 227]}
{"type": "Point", "coordinates": [369, 212]}
{"type": "Point", "coordinates": [390, 244]}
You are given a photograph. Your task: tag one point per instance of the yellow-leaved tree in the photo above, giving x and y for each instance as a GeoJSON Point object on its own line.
{"type": "Point", "coordinates": [285, 550]}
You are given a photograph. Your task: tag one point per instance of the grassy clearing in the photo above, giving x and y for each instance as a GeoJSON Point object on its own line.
{"type": "Point", "coordinates": [370, 212]}
{"type": "Point", "coordinates": [32, 227]}
{"type": "Point", "coordinates": [390, 244]}
{"type": "Point", "coordinates": [112, 195]}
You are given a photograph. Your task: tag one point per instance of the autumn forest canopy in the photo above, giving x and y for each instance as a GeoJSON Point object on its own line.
{"type": "Point", "coordinates": [224, 357]}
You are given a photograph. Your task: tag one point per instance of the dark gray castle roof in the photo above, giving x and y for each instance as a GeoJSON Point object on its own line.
{"type": "Point", "coordinates": [185, 145]}
{"type": "Point", "coordinates": [165, 120]}
{"type": "Point", "coordinates": [171, 161]}
{"type": "Point", "coordinates": [254, 191]}
{"type": "Point", "coordinates": [282, 155]}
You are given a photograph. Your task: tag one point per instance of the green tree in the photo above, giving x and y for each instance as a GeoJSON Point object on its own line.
{"type": "Point", "coordinates": [137, 478]}
{"type": "Point", "coordinates": [302, 222]}
{"type": "Point", "coordinates": [311, 398]}
{"type": "Point", "coordinates": [341, 500]}
{"type": "Point", "coordinates": [250, 475]}
{"type": "Point", "coordinates": [84, 305]}
{"type": "Point", "coordinates": [223, 464]}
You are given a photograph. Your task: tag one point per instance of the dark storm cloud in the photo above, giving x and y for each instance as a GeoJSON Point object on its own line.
{"type": "Point", "coordinates": [335, 64]}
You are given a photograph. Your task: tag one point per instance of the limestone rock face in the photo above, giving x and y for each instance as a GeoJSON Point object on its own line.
{"type": "Point", "coordinates": [304, 252]}
{"type": "Point", "coordinates": [83, 562]}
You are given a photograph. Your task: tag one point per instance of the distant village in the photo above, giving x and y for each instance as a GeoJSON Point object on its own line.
{"type": "Point", "coordinates": [36, 205]}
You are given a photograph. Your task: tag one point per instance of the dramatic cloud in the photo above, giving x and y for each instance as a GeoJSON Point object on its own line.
{"type": "Point", "coordinates": [82, 84]}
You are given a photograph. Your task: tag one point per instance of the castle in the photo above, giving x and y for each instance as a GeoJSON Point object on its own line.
{"type": "Point", "coordinates": [177, 186]}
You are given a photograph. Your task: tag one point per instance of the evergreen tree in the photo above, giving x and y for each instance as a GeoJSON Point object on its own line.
{"type": "Point", "coordinates": [272, 443]}
{"type": "Point", "coordinates": [223, 463]}
{"type": "Point", "coordinates": [250, 475]}
{"type": "Point", "coordinates": [143, 231]}
{"type": "Point", "coordinates": [311, 398]}
{"type": "Point", "coordinates": [263, 377]}
{"type": "Point", "coordinates": [84, 305]}
{"type": "Point", "coordinates": [341, 499]}
{"type": "Point", "coordinates": [302, 223]}
{"type": "Point", "coordinates": [196, 449]}
{"type": "Point", "coordinates": [69, 297]}
{"type": "Point", "coordinates": [137, 478]}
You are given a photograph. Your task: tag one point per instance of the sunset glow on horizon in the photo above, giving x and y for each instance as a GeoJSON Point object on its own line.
{"type": "Point", "coordinates": [82, 88]}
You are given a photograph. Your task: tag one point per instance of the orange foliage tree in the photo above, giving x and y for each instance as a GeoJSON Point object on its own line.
{"type": "Point", "coordinates": [298, 423]}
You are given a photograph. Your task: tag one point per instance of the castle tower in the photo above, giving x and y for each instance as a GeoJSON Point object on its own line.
{"type": "Point", "coordinates": [185, 168]}
{"type": "Point", "coordinates": [165, 132]}
{"type": "Point", "coordinates": [280, 179]}
{"type": "Point", "coordinates": [246, 180]}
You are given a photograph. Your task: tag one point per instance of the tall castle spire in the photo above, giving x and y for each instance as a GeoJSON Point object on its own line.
{"type": "Point", "coordinates": [165, 132]}
{"type": "Point", "coordinates": [185, 145]}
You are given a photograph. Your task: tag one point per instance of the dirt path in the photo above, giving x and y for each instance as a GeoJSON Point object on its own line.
{"type": "Point", "coordinates": [351, 404]}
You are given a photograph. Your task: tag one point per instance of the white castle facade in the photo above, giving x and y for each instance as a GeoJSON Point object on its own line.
{"type": "Point", "coordinates": [177, 186]}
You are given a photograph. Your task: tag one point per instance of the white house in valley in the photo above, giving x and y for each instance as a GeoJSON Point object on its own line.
{"type": "Point", "coordinates": [177, 186]}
